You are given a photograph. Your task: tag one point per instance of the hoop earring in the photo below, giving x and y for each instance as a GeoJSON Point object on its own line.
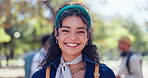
{"type": "Point", "coordinates": [56, 41]}
{"type": "Point", "coordinates": [87, 36]}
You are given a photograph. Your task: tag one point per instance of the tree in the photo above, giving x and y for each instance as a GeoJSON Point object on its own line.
{"type": "Point", "coordinates": [24, 22]}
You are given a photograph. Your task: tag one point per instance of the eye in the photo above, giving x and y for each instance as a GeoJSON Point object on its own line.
{"type": "Point", "coordinates": [81, 32]}
{"type": "Point", "coordinates": [65, 31]}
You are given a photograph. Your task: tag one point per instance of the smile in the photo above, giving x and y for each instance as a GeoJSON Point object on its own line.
{"type": "Point", "coordinates": [71, 44]}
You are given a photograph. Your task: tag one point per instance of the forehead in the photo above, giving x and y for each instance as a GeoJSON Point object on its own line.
{"type": "Point", "coordinates": [122, 42]}
{"type": "Point", "coordinates": [73, 21]}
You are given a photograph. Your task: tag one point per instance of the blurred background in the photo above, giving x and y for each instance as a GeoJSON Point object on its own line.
{"type": "Point", "coordinates": [24, 22]}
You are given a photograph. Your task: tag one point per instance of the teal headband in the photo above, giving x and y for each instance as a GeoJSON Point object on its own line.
{"type": "Point", "coordinates": [71, 7]}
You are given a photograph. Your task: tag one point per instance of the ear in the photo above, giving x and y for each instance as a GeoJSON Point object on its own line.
{"type": "Point", "coordinates": [88, 36]}
{"type": "Point", "coordinates": [56, 33]}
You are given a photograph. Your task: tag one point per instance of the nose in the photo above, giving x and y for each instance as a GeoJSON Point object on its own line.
{"type": "Point", "coordinates": [73, 36]}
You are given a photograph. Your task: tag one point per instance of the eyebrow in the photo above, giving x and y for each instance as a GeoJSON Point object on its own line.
{"type": "Point", "coordinates": [70, 27]}
{"type": "Point", "coordinates": [81, 27]}
{"type": "Point", "coordinates": [65, 27]}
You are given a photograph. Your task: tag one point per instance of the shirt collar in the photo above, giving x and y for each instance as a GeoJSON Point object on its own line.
{"type": "Point", "coordinates": [55, 62]}
{"type": "Point", "coordinates": [86, 59]}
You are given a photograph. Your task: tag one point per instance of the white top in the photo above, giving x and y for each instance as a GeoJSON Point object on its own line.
{"type": "Point", "coordinates": [134, 65]}
{"type": "Point", "coordinates": [37, 59]}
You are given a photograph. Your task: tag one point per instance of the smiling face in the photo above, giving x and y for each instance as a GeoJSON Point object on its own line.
{"type": "Point", "coordinates": [72, 36]}
{"type": "Point", "coordinates": [123, 46]}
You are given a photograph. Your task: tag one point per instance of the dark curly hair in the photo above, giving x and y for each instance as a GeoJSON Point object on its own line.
{"type": "Point", "coordinates": [54, 51]}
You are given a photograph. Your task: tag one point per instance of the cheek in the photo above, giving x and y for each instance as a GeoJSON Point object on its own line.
{"type": "Point", "coordinates": [60, 38]}
{"type": "Point", "coordinates": [121, 46]}
{"type": "Point", "coordinates": [84, 39]}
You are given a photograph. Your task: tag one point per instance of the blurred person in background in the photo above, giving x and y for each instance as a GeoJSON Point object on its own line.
{"type": "Point", "coordinates": [130, 66]}
{"type": "Point", "coordinates": [33, 60]}
{"type": "Point", "coordinates": [72, 53]}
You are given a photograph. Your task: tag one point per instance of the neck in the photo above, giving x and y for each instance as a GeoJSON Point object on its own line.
{"type": "Point", "coordinates": [77, 66]}
{"type": "Point", "coordinates": [69, 58]}
{"type": "Point", "coordinates": [123, 53]}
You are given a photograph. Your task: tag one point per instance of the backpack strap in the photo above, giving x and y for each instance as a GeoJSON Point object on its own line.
{"type": "Point", "coordinates": [48, 72]}
{"type": "Point", "coordinates": [127, 63]}
{"type": "Point", "coordinates": [96, 72]}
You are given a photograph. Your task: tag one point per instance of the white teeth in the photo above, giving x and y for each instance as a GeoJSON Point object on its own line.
{"type": "Point", "coordinates": [71, 44]}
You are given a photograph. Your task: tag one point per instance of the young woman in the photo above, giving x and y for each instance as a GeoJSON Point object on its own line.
{"type": "Point", "coordinates": [72, 54]}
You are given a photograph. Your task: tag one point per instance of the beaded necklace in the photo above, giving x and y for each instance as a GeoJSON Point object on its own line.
{"type": "Point", "coordinates": [83, 68]}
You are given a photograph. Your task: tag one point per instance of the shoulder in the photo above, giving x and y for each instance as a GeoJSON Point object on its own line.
{"type": "Point", "coordinates": [106, 72]}
{"type": "Point", "coordinates": [29, 56]}
{"type": "Point", "coordinates": [135, 58]}
{"type": "Point", "coordinates": [40, 73]}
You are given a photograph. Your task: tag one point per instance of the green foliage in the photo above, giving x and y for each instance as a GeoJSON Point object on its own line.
{"type": "Point", "coordinates": [28, 21]}
{"type": "Point", "coordinates": [108, 32]}
{"type": "Point", "coordinates": [4, 37]}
